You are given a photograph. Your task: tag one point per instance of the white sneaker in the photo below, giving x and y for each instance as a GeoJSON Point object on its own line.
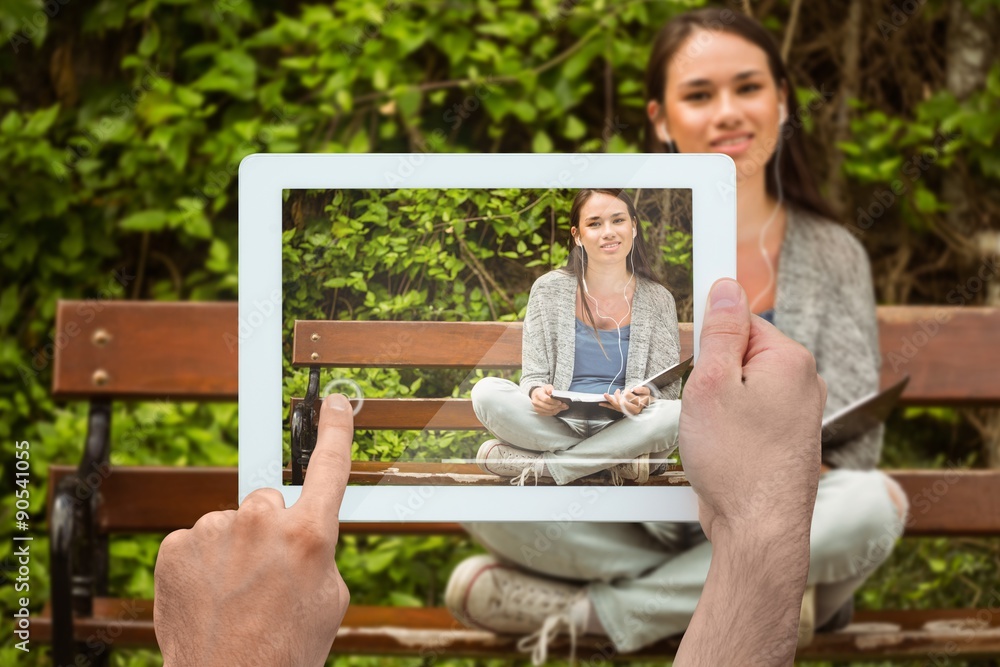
{"type": "Point", "coordinates": [485, 593]}
{"type": "Point", "coordinates": [499, 458]}
{"type": "Point", "coordinates": [807, 617]}
{"type": "Point", "coordinates": [636, 470]}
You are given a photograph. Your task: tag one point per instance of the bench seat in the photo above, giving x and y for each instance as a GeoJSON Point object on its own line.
{"type": "Point", "coordinates": [426, 631]}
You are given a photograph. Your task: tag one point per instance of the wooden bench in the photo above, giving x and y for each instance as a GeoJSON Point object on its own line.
{"type": "Point", "coordinates": [184, 351]}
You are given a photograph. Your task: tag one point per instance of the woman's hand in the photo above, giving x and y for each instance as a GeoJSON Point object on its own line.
{"type": "Point", "coordinates": [541, 399]}
{"type": "Point", "coordinates": [629, 402]}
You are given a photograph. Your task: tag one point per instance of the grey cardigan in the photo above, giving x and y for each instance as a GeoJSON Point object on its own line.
{"type": "Point", "coordinates": [825, 300]}
{"type": "Point", "coordinates": [548, 340]}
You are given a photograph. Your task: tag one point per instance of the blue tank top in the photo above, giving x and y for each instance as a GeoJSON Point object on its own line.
{"type": "Point", "coordinates": [592, 370]}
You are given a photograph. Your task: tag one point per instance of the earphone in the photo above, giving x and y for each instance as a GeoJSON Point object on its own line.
{"type": "Point", "coordinates": [784, 115]}
{"type": "Point", "coordinates": [618, 323]}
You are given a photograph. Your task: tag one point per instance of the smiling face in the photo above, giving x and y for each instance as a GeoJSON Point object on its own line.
{"type": "Point", "coordinates": [720, 98]}
{"type": "Point", "coordinates": [605, 229]}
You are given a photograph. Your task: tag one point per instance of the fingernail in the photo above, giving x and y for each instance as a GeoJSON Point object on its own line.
{"type": "Point", "coordinates": [332, 403]}
{"type": "Point", "coordinates": [725, 294]}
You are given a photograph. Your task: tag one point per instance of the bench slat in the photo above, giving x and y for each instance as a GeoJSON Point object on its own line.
{"type": "Point", "coordinates": [432, 631]}
{"type": "Point", "coordinates": [187, 350]}
{"type": "Point", "coordinates": [158, 500]}
{"type": "Point", "coordinates": [388, 414]}
{"type": "Point", "coordinates": [169, 350]}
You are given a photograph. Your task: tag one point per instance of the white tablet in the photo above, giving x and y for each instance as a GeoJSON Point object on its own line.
{"type": "Point", "coordinates": [489, 225]}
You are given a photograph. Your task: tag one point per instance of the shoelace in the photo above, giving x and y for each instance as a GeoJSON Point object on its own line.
{"type": "Point", "coordinates": [534, 469]}
{"type": "Point", "coordinates": [617, 478]}
{"type": "Point", "coordinates": [538, 642]}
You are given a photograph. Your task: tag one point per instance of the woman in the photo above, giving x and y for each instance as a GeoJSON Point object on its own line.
{"type": "Point", "coordinates": [600, 325]}
{"type": "Point", "coordinates": [716, 83]}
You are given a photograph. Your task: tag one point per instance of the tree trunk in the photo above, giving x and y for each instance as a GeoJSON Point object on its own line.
{"type": "Point", "coordinates": [970, 53]}
{"type": "Point", "coordinates": [849, 86]}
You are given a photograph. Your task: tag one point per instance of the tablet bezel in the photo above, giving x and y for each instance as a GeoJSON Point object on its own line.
{"type": "Point", "coordinates": [262, 180]}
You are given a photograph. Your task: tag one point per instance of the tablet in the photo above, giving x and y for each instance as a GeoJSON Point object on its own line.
{"type": "Point", "coordinates": [494, 224]}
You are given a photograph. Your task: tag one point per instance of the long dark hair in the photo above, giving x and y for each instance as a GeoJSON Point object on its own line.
{"type": "Point", "coordinates": [797, 181]}
{"type": "Point", "coordinates": [637, 256]}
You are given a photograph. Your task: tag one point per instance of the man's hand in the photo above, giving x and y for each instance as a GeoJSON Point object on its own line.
{"type": "Point", "coordinates": [750, 422]}
{"type": "Point", "coordinates": [259, 585]}
{"type": "Point", "coordinates": [544, 404]}
{"type": "Point", "coordinates": [750, 443]}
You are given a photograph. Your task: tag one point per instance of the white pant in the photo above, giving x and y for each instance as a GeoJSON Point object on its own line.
{"type": "Point", "coordinates": [644, 580]}
{"type": "Point", "coordinates": [573, 450]}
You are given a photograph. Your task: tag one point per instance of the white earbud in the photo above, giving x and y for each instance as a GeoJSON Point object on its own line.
{"type": "Point", "coordinates": [578, 242]}
{"type": "Point", "coordinates": [633, 232]}
{"type": "Point", "coordinates": [784, 115]}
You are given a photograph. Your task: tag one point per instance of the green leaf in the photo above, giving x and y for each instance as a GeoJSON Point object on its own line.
{"type": "Point", "coordinates": [575, 129]}
{"type": "Point", "coordinates": [524, 110]}
{"type": "Point", "coordinates": [541, 143]}
{"type": "Point", "coordinates": [154, 114]}
{"type": "Point", "coordinates": [359, 143]}
{"type": "Point", "coordinates": [8, 304]}
{"type": "Point", "coordinates": [145, 221]}
{"type": "Point", "coordinates": [41, 121]}
{"type": "Point", "coordinates": [150, 41]}
{"type": "Point", "coordinates": [409, 99]}
{"type": "Point", "coordinates": [380, 79]}
{"type": "Point", "coordinates": [11, 123]}
{"type": "Point", "coordinates": [924, 200]}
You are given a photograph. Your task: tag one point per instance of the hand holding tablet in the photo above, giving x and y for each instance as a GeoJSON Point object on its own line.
{"type": "Point", "coordinates": [750, 442]}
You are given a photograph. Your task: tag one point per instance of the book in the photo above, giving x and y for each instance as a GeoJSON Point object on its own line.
{"type": "Point", "coordinates": [587, 406]}
{"type": "Point", "coordinates": [861, 416]}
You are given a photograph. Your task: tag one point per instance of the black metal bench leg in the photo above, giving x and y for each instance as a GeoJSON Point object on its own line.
{"type": "Point", "coordinates": [78, 556]}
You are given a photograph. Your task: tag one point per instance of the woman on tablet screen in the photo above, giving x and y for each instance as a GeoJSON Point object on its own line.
{"type": "Point", "coordinates": [715, 82]}
{"type": "Point", "coordinates": [600, 325]}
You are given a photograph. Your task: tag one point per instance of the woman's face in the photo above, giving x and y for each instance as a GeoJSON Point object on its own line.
{"type": "Point", "coordinates": [604, 229]}
{"type": "Point", "coordinates": [720, 98]}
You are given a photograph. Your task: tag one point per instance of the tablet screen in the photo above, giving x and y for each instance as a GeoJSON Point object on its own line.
{"type": "Point", "coordinates": [438, 285]}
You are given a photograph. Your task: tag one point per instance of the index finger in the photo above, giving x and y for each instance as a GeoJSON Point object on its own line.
{"type": "Point", "coordinates": [330, 463]}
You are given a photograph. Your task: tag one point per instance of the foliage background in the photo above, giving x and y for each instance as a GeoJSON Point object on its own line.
{"type": "Point", "coordinates": [122, 123]}
{"type": "Point", "coordinates": [446, 255]}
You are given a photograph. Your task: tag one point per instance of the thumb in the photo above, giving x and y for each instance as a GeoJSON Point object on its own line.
{"type": "Point", "coordinates": [725, 333]}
